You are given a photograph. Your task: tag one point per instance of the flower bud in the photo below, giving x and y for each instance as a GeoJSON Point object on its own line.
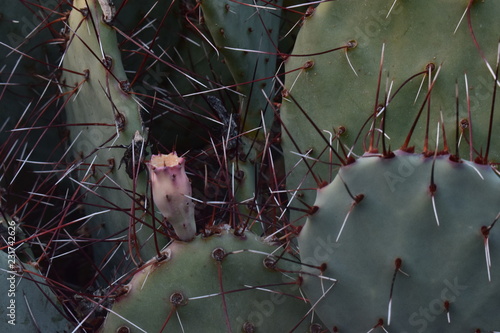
{"type": "Point", "coordinates": [172, 192]}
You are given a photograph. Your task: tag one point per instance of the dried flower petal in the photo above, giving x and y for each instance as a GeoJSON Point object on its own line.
{"type": "Point", "coordinates": [172, 192]}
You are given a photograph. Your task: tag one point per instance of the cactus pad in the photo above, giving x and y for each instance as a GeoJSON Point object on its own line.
{"type": "Point", "coordinates": [107, 133]}
{"type": "Point", "coordinates": [28, 304]}
{"type": "Point", "coordinates": [339, 92]}
{"type": "Point", "coordinates": [412, 244]}
{"type": "Point", "coordinates": [214, 284]}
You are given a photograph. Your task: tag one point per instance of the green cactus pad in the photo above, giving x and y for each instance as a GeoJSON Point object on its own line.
{"type": "Point", "coordinates": [255, 299]}
{"type": "Point", "coordinates": [247, 37]}
{"type": "Point", "coordinates": [411, 226]}
{"type": "Point", "coordinates": [103, 117]}
{"type": "Point", "coordinates": [27, 303]}
{"type": "Point", "coordinates": [339, 91]}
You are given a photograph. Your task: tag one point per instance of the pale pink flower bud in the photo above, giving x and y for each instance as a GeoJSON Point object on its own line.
{"type": "Point", "coordinates": [172, 192]}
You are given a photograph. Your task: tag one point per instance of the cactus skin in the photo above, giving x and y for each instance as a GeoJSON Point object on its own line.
{"type": "Point", "coordinates": [35, 308]}
{"type": "Point", "coordinates": [191, 270]}
{"type": "Point", "coordinates": [102, 98]}
{"type": "Point", "coordinates": [415, 34]}
{"type": "Point", "coordinates": [27, 301]}
{"type": "Point", "coordinates": [395, 219]}
{"type": "Point", "coordinates": [241, 25]}
{"type": "Point", "coordinates": [247, 36]}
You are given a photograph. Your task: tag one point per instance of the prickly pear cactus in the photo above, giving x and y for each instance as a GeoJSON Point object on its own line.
{"type": "Point", "coordinates": [27, 302]}
{"type": "Point", "coordinates": [338, 89]}
{"type": "Point", "coordinates": [247, 37]}
{"type": "Point", "coordinates": [106, 131]}
{"type": "Point", "coordinates": [411, 242]}
{"type": "Point", "coordinates": [398, 241]}
{"type": "Point", "coordinates": [222, 283]}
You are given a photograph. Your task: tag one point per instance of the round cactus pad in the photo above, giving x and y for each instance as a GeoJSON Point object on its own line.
{"type": "Point", "coordinates": [412, 244]}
